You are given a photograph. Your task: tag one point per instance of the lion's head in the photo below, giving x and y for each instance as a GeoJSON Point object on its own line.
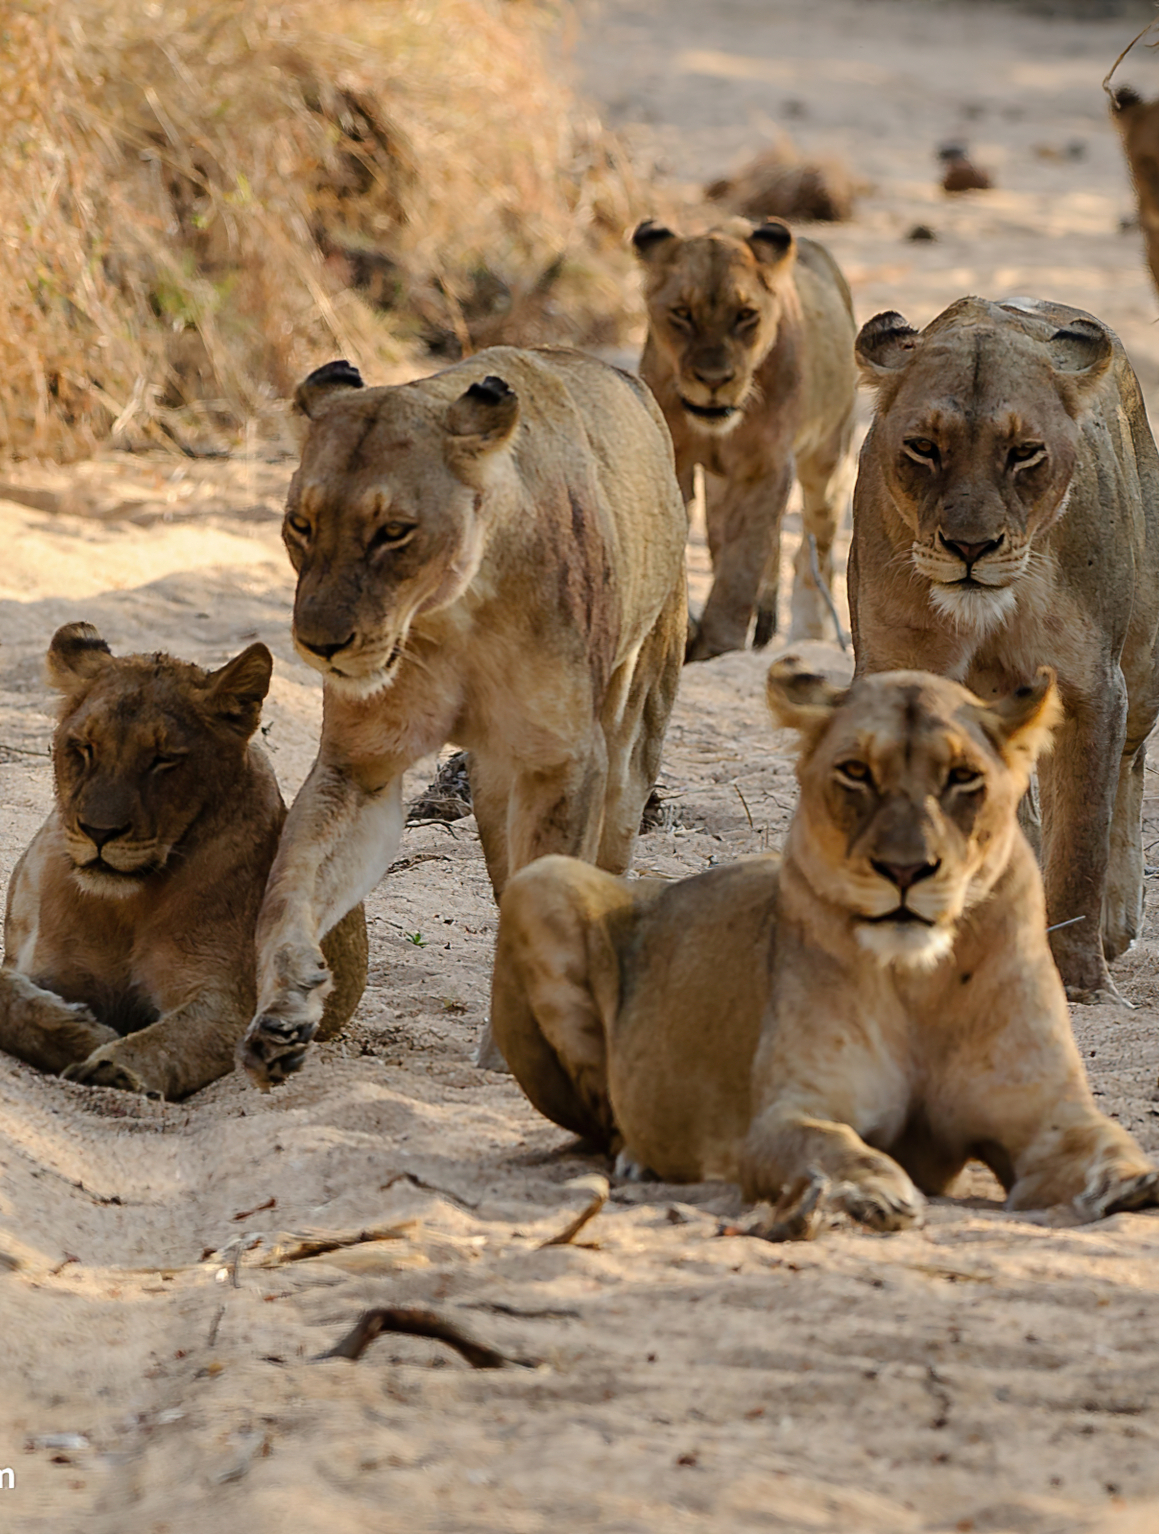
{"type": "Point", "coordinates": [383, 520]}
{"type": "Point", "coordinates": [714, 306]}
{"type": "Point", "coordinates": [145, 745]}
{"type": "Point", "coordinates": [976, 435]}
{"type": "Point", "coordinates": [909, 795]}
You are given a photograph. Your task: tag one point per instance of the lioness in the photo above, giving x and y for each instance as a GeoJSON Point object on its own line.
{"type": "Point", "coordinates": [492, 556]}
{"type": "Point", "coordinates": [1006, 516]}
{"type": "Point", "coordinates": [750, 353]}
{"type": "Point", "coordinates": [129, 934]}
{"type": "Point", "coordinates": [876, 1008]}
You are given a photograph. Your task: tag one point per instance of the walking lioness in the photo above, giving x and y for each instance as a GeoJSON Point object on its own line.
{"type": "Point", "coordinates": [875, 1009]}
{"type": "Point", "coordinates": [750, 353]}
{"type": "Point", "coordinates": [1006, 516]}
{"type": "Point", "coordinates": [493, 556]}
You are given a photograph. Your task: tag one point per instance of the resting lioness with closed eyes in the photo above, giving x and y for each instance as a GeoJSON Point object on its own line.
{"type": "Point", "coordinates": [877, 1007]}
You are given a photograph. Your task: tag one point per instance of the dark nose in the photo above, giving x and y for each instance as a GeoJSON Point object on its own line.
{"type": "Point", "coordinates": [906, 874]}
{"type": "Point", "coordinates": [328, 651]}
{"type": "Point", "coordinates": [713, 377]}
{"type": "Point", "coordinates": [970, 553]}
{"type": "Point", "coordinates": [99, 835]}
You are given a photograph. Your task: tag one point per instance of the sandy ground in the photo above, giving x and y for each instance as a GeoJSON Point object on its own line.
{"type": "Point", "coordinates": [985, 1373]}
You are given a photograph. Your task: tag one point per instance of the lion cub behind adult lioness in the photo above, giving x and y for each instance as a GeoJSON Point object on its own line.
{"type": "Point", "coordinates": [495, 557]}
{"type": "Point", "coordinates": [877, 1008]}
{"type": "Point", "coordinates": [750, 353]}
{"type": "Point", "coordinates": [129, 934]}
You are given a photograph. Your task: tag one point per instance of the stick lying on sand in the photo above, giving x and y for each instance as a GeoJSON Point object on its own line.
{"type": "Point", "coordinates": [420, 1323]}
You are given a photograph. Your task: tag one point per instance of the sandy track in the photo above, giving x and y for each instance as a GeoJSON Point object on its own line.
{"type": "Point", "coordinates": [986, 1373]}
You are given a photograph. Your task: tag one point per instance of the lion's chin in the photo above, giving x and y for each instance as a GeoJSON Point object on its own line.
{"type": "Point", "coordinates": [105, 884]}
{"type": "Point", "coordinates": [908, 944]}
{"type": "Point", "coordinates": [712, 420]}
{"type": "Point", "coordinates": [976, 610]}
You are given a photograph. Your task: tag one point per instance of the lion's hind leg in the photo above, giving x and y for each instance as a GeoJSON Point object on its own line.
{"type": "Point", "coordinates": [555, 982]}
{"type": "Point", "coordinates": [1123, 896]}
{"type": "Point", "coordinates": [826, 477]}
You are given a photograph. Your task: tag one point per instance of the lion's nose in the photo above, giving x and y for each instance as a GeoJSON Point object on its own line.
{"type": "Point", "coordinates": [713, 377]}
{"type": "Point", "coordinates": [970, 553]}
{"type": "Point", "coordinates": [99, 835]}
{"type": "Point", "coordinates": [328, 651]}
{"type": "Point", "coordinates": [906, 874]}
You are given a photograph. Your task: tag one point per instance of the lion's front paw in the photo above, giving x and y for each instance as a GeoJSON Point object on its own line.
{"type": "Point", "coordinates": [273, 1048]}
{"type": "Point", "coordinates": [631, 1169]}
{"type": "Point", "coordinates": [103, 1069]}
{"type": "Point", "coordinates": [881, 1203]}
{"type": "Point", "coordinates": [1110, 1192]}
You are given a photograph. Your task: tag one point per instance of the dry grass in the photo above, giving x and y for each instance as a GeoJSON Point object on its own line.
{"type": "Point", "coordinates": [201, 201]}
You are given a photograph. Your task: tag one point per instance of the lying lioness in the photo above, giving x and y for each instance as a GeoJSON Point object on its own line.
{"type": "Point", "coordinates": [875, 1009]}
{"type": "Point", "coordinates": [129, 935]}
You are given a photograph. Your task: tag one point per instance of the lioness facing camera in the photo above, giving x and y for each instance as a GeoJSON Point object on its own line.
{"type": "Point", "coordinates": [495, 557]}
{"type": "Point", "coordinates": [878, 1007]}
{"type": "Point", "coordinates": [129, 934]}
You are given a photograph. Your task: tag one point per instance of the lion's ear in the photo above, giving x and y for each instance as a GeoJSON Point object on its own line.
{"type": "Point", "coordinates": [479, 421]}
{"type": "Point", "coordinates": [1022, 723]}
{"type": "Point", "coordinates": [799, 699]}
{"type": "Point", "coordinates": [772, 242]}
{"type": "Point", "coordinates": [76, 655]}
{"type": "Point", "coordinates": [1081, 351]}
{"type": "Point", "coordinates": [323, 384]}
{"type": "Point", "coordinates": [236, 691]}
{"type": "Point", "coordinates": [884, 346]}
{"type": "Point", "coordinates": [649, 239]}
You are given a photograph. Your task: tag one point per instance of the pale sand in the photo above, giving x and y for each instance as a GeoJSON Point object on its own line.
{"type": "Point", "coordinates": [985, 1373]}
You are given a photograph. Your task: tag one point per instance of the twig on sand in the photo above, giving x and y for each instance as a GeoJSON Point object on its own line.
{"type": "Point", "coordinates": [296, 1248]}
{"type": "Point", "coordinates": [599, 1188]}
{"type": "Point", "coordinates": [1123, 55]}
{"type": "Point", "coordinates": [745, 807]}
{"type": "Point", "coordinates": [420, 1323]}
{"type": "Point", "coordinates": [796, 1216]}
{"type": "Point", "coordinates": [213, 1325]}
{"type": "Point", "coordinates": [826, 593]}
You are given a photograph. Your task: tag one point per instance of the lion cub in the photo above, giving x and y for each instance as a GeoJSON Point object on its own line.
{"type": "Point", "coordinates": [129, 933]}
{"type": "Point", "coordinates": [878, 1007]}
{"type": "Point", "coordinates": [750, 354]}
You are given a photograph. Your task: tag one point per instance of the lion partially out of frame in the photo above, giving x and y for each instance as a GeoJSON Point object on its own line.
{"type": "Point", "coordinates": [872, 1010]}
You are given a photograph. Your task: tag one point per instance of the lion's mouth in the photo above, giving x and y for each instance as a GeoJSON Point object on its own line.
{"type": "Point", "coordinates": [709, 412]}
{"type": "Point", "coordinates": [901, 916]}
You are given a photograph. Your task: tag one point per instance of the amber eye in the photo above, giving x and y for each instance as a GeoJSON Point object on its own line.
{"type": "Point", "coordinates": [855, 772]}
{"type": "Point", "coordinates": [963, 777]}
{"type": "Point", "coordinates": [680, 316]}
{"type": "Point", "coordinates": [922, 449]}
{"type": "Point", "coordinates": [298, 525]}
{"type": "Point", "coordinates": [1024, 454]}
{"type": "Point", "coordinates": [747, 318]}
{"type": "Point", "coordinates": [389, 535]}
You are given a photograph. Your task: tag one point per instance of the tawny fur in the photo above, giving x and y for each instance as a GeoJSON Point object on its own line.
{"type": "Point", "coordinates": [495, 557]}
{"type": "Point", "coordinates": [737, 1026]}
{"type": "Point", "coordinates": [129, 959]}
{"type": "Point", "coordinates": [1043, 466]}
{"type": "Point", "coordinates": [763, 328]}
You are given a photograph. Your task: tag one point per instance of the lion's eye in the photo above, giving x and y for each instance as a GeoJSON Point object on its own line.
{"type": "Point", "coordinates": [83, 750]}
{"type": "Point", "coordinates": [390, 535]}
{"type": "Point", "coordinates": [1025, 455]}
{"type": "Point", "coordinates": [747, 318]}
{"type": "Point", "coordinates": [162, 763]}
{"type": "Point", "coordinates": [964, 777]}
{"type": "Point", "coordinates": [681, 316]}
{"type": "Point", "coordinates": [855, 772]}
{"type": "Point", "coordinates": [298, 525]}
{"type": "Point", "coordinates": [922, 450]}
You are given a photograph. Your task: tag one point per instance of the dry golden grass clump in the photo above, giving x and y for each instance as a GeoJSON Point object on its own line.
{"type": "Point", "coordinates": [200, 201]}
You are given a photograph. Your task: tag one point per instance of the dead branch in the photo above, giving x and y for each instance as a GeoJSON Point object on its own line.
{"type": "Point", "coordinates": [419, 1323]}
{"type": "Point", "coordinates": [599, 1187]}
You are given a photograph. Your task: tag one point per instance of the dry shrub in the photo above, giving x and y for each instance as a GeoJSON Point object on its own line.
{"type": "Point", "coordinates": [200, 201]}
{"type": "Point", "coordinates": [779, 184]}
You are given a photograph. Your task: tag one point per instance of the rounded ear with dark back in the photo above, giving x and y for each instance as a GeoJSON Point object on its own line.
{"type": "Point", "coordinates": [800, 699]}
{"type": "Point", "coordinates": [76, 655]}
{"type": "Point", "coordinates": [236, 691]}
{"type": "Point", "coordinates": [485, 414]}
{"type": "Point", "coordinates": [772, 242]}
{"type": "Point", "coordinates": [1022, 723]}
{"type": "Point", "coordinates": [323, 384]}
{"type": "Point", "coordinates": [649, 237]}
{"type": "Point", "coordinates": [1082, 347]}
{"type": "Point", "coordinates": [885, 345]}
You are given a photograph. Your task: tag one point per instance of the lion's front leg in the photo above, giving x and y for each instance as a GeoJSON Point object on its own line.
{"type": "Point", "coordinates": [1082, 1158]}
{"type": "Point", "coordinates": [784, 1146]}
{"type": "Point", "coordinates": [188, 1046]}
{"type": "Point", "coordinates": [40, 1027]}
{"type": "Point", "coordinates": [744, 535]}
{"type": "Point", "coordinates": [339, 840]}
{"type": "Point", "coordinates": [825, 478]}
